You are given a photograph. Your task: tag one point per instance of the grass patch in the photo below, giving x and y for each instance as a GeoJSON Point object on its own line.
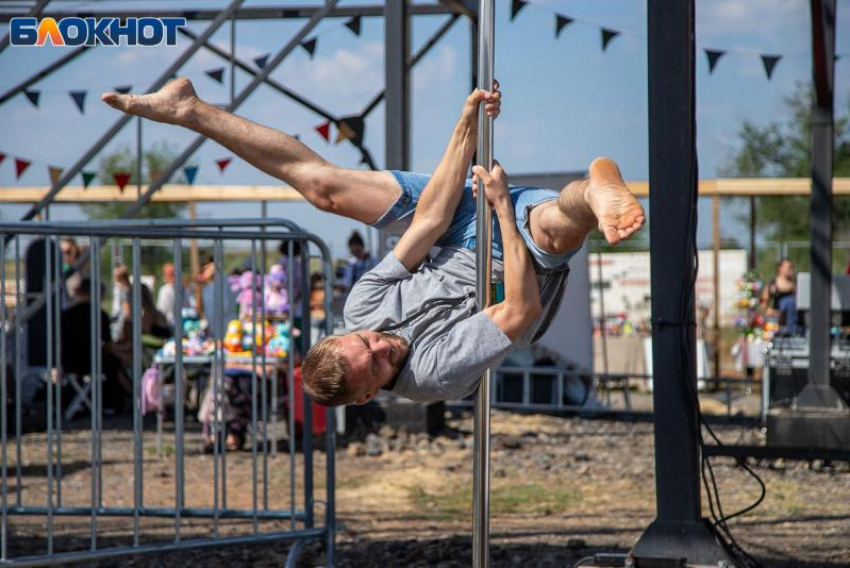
{"type": "Point", "coordinates": [526, 498]}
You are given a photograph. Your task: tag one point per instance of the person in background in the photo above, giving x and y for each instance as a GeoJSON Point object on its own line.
{"type": "Point", "coordinates": [77, 347]}
{"type": "Point", "coordinates": [230, 309]}
{"type": "Point", "coordinates": [167, 294]}
{"type": "Point", "coordinates": [71, 253]}
{"type": "Point", "coordinates": [153, 322]}
{"type": "Point", "coordinates": [779, 297]}
{"type": "Point", "coordinates": [361, 261]}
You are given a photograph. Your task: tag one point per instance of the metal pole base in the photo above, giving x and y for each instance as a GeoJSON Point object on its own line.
{"type": "Point", "coordinates": [816, 395]}
{"type": "Point", "coordinates": [697, 542]}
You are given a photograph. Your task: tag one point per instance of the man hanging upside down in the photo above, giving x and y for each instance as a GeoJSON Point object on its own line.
{"type": "Point", "coordinates": [415, 327]}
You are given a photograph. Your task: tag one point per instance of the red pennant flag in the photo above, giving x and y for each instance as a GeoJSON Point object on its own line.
{"type": "Point", "coordinates": [121, 180]}
{"type": "Point", "coordinates": [223, 163]}
{"type": "Point", "coordinates": [21, 166]}
{"type": "Point", "coordinates": [2, 157]}
{"type": "Point", "coordinates": [325, 130]}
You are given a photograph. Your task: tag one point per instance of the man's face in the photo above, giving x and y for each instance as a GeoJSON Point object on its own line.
{"type": "Point", "coordinates": [787, 269]}
{"type": "Point", "coordinates": [356, 250]}
{"type": "Point", "coordinates": [374, 358]}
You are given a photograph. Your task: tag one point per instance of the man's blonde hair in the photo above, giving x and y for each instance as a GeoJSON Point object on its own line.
{"type": "Point", "coordinates": [323, 373]}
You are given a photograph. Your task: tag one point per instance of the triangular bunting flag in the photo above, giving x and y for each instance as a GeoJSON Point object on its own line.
{"type": "Point", "coordinates": [190, 172]}
{"type": "Point", "coordinates": [714, 56]}
{"type": "Point", "coordinates": [216, 75]}
{"type": "Point", "coordinates": [354, 25]}
{"type": "Point", "coordinates": [607, 36]}
{"type": "Point", "coordinates": [343, 132]}
{"type": "Point", "coordinates": [223, 163]}
{"type": "Point", "coordinates": [79, 99]}
{"type": "Point", "coordinates": [310, 46]}
{"type": "Point", "coordinates": [297, 137]}
{"type": "Point", "coordinates": [121, 180]}
{"type": "Point", "coordinates": [262, 60]}
{"type": "Point", "coordinates": [560, 23]}
{"type": "Point", "coordinates": [124, 89]}
{"type": "Point", "coordinates": [325, 130]}
{"type": "Point", "coordinates": [33, 97]}
{"type": "Point", "coordinates": [21, 166]}
{"type": "Point", "coordinates": [2, 157]}
{"type": "Point", "coordinates": [350, 128]}
{"type": "Point", "coordinates": [770, 62]}
{"type": "Point", "coordinates": [55, 174]}
{"type": "Point", "coordinates": [87, 178]}
{"type": "Point", "coordinates": [516, 6]}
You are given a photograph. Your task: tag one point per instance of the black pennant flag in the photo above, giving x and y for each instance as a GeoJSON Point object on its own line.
{"type": "Point", "coordinates": [33, 97]}
{"type": "Point", "coordinates": [262, 60]}
{"type": "Point", "coordinates": [354, 25]}
{"type": "Point", "coordinates": [79, 99]}
{"type": "Point", "coordinates": [216, 75]}
{"type": "Point", "coordinates": [607, 36]}
{"type": "Point", "coordinates": [714, 56]}
{"type": "Point", "coordinates": [770, 62]}
{"type": "Point", "coordinates": [309, 46]}
{"type": "Point", "coordinates": [124, 89]}
{"type": "Point", "coordinates": [516, 6]}
{"type": "Point", "coordinates": [357, 126]}
{"type": "Point", "coordinates": [560, 23]}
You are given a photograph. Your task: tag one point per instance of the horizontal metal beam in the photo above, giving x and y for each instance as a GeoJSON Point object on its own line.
{"type": "Point", "coordinates": [773, 452]}
{"type": "Point", "coordinates": [246, 13]}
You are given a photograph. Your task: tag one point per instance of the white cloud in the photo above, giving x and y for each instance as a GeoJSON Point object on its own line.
{"type": "Point", "coordinates": [355, 72]}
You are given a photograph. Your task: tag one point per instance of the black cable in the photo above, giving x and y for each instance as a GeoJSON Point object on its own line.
{"type": "Point", "coordinates": [730, 544]}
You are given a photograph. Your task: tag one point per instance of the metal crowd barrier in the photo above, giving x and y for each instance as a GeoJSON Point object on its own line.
{"type": "Point", "coordinates": [545, 389]}
{"type": "Point", "coordinates": [64, 495]}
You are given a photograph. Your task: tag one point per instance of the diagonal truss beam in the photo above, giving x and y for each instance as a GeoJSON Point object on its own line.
{"type": "Point", "coordinates": [32, 80]}
{"type": "Point", "coordinates": [125, 118]}
{"type": "Point", "coordinates": [34, 11]}
{"type": "Point", "coordinates": [250, 12]}
{"type": "Point", "coordinates": [259, 78]}
{"type": "Point", "coordinates": [423, 51]}
{"type": "Point", "coordinates": [283, 90]}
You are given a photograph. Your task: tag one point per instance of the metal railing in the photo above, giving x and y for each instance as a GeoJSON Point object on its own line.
{"type": "Point", "coordinates": [554, 390]}
{"type": "Point", "coordinates": [83, 471]}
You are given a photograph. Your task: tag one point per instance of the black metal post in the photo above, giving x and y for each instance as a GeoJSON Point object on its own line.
{"type": "Point", "coordinates": [679, 531]}
{"type": "Point", "coordinates": [819, 393]}
{"type": "Point", "coordinates": [397, 99]}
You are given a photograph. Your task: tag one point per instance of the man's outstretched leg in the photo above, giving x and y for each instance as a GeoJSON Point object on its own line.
{"type": "Point", "coordinates": [601, 201]}
{"type": "Point", "coordinates": [360, 195]}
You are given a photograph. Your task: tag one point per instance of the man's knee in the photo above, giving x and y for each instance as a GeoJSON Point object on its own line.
{"type": "Point", "coordinates": [315, 183]}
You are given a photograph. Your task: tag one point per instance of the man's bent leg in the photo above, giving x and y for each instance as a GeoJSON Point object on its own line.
{"type": "Point", "coordinates": [360, 195]}
{"type": "Point", "coordinates": [601, 201]}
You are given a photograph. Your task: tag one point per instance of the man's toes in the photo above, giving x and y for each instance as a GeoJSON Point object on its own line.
{"type": "Point", "coordinates": [612, 235]}
{"type": "Point", "coordinates": [121, 102]}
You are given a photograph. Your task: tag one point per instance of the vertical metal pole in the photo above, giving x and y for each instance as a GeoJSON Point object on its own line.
{"type": "Point", "coordinates": [48, 289]}
{"type": "Point", "coordinates": [397, 86]}
{"type": "Point", "coordinates": [19, 306]}
{"type": "Point", "coordinates": [179, 380]}
{"type": "Point", "coordinates": [679, 531]}
{"type": "Point", "coordinates": [753, 261]}
{"type": "Point", "coordinates": [290, 372]}
{"type": "Point", "coordinates": [60, 376]}
{"type": "Point", "coordinates": [137, 388]}
{"type": "Point", "coordinates": [94, 379]}
{"type": "Point", "coordinates": [819, 392]}
{"type": "Point", "coordinates": [483, 258]}
{"type": "Point", "coordinates": [716, 226]}
{"type": "Point", "coordinates": [603, 333]}
{"type": "Point", "coordinates": [139, 157]}
{"type": "Point", "coordinates": [3, 396]}
{"type": "Point", "coordinates": [254, 396]}
{"type": "Point", "coordinates": [232, 57]}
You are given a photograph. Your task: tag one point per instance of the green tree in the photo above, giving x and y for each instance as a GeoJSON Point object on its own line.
{"type": "Point", "coordinates": [783, 149]}
{"type": "Point", "coordinates": [156, 159]}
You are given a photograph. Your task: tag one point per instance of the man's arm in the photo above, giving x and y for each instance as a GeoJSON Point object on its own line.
{"type": "Point", "coordinates": [441, 196]}
{"type": "Point", "coordinates": [521, 305]}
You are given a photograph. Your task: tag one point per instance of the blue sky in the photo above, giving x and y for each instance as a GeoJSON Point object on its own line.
{"type": "Point", "coordinates": [565, 100]}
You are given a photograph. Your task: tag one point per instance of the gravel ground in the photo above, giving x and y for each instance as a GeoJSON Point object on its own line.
{"type": "Point", "coordinates": [561, 489]}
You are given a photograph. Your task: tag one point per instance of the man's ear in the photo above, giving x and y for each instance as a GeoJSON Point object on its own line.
{"type": "Point", "coordinates": [365, 398]}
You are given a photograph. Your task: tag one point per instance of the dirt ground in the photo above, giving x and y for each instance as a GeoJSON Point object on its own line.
{"type": "Point", "coordinates": [562, 488]}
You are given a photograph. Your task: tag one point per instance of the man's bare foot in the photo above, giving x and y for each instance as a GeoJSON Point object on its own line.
{"type": "Point", "coordinates": [618, 212]}
{"type": "Point", "coordinates": [171, 104]}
